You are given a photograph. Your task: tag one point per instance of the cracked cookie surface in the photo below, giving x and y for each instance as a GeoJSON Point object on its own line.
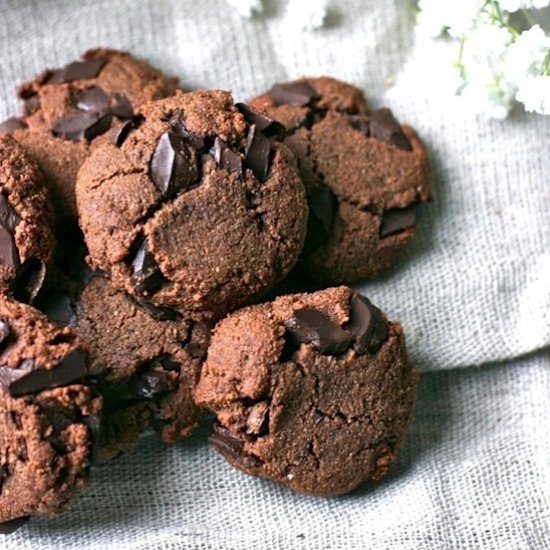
{"type": "Point", "coordinates": [313, 391]}
{"type": "Point", "coordinates": [49, 420]}
{"type": "Point", "coordinates": [26, 216]}
{"type": "Point", "coordinates": [66, 110]}
{"type": "Point", "coordinates": [193, 205]}
{"type": "Point", "coordinates": [365, 176]}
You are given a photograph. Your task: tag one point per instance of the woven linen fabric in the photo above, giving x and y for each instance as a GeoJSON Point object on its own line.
{"type": "Point", "coordinates": [474, 473]}
{"type": "Point", "coordinates": [473, 288]}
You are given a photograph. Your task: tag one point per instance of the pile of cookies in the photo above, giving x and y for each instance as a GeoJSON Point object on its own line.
{"type": "Point", "coordinates": [149, 242]}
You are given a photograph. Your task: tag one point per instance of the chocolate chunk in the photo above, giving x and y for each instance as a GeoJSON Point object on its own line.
{"type": "Point", "coordinates": [257, 153]}
{"type": "Point", "coordinates": [120, 133]}
{"type": "Point", "coordinates": [323, 205]}
{"type": "Point", "coordinates": [396, 220]}
{"type": "Point", "coordinates": [228, 445]}
{"type": "Point", "coordinates": [9, 527]}
{"type": "Point", "coordinates": [151, 384]}
{"type": "Point", "coordinates": [160, 313]}
{"type": "Point", "coordinates": [171, 167]}
{"type": "Point", "coordinates": [4, 331]}
{"type": "Point", "coordinates": [309, 325]}
{"type": "Point", "coordinates": [93, 100]}
{"type": "Point", "coordinates": [168, 363]}
{"type": "Point", "coordinates": [121, 106]}
{"type": "Point", "coordinates": [59, 308]}
{"type": "Point", "coordinates": [29, 280]}
{"type": "Point", "coordinates": [227, 158]}
{"type": "Point", "coordinates": [8, 216]}
{"type": "Point", "coordinates": [28, 379]}
{"type": "Point", "coordinates": [360, 123]}
{"type": "Point", "coordinates": [31, 104]}
{"type": "Point", "coordinates": [79, 70]}
{"type": "Point", "coordinates": [178, 125]}
{"type": "Point", "coordinates": [9, 255]}
{"type": "Point", "coordinates": [11, 124]}
{"type": "Point", "coordinates": [367, 324]}
{"type": "Point", "coordinates": [384, 127]}
{"type": "Point", "coordinates": [269, 127]}
{"type": "Point", "coordinates": [77, 126]}
{"type": "Point", "coordinates": [146, 276]}
{"type": "Point", "coordinates": [297, 94]}
{"type": "Point", "coordinates": [4, 473]}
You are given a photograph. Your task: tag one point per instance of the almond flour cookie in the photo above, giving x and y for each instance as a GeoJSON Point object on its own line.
{"type": "Point", "coordinates": [144, 361]}
{"type": "Point", "coordinates": [313, 391]}
{"type": "Point", "coordinates": [65, 110]}
{"type": "Point", "coordinates": [26, 240]}
{"type": "Point", "coordinates": [364, 173]}
{"type": "Point", "coordinates": [193, 205]}
{"type": "Point", "coordinates": [48, 420]}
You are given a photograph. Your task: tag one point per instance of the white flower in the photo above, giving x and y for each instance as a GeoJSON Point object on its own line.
{"type": "Point", "coordinates": [526, 55]}
{"type": "Point", "coordinates": [534, 93]}
{"type": "Point", "coordinates": [485, 90]}
{"type": "Point", "coordinates": [515, 5]}
{"type": "Point", "coordinates": [246, 8]}
{"type": "Point", "coordinates": [307, 14]}
{"type": "Point", "coordinates": [456, 16]}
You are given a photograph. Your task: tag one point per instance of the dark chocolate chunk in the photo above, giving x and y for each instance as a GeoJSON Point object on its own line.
{"type": "Point", "coordinates": [9, 527]}
{"type": "Point", "coordinates": [28, 379]}
{"type": "Point", "coordinates": [323, 205]}
{"type": "Point", "coordinates": [396, 220]}
{"type": "Point", "coordinates": [11, 124]}
{"type": "Point", "coordinates": [225, 442]}
{"type": "Point", "coordinates": [29, 280]}
{"type": "Point", "coordinates": [93, 100]}
{"type": "Point", "coordinates": [297, 94]}
{"type": "Point", "coordinates": [367, 324]}
{"type": "Point", "coordinates": [8, 216]}
{"type": "Point", "coordinates": [4, 330]}
{"type": "Point", "coordinates": [77, 126]}
{"type": "Point", "coordinates": [120, 133]}
{"type": "Point", "coordinates": [153, 383]}
{"type": "Point", "coordinates": [31, 104]}
{"type": "Point", "coordinates": [171, 166]}
{"type": "Point", "coordinates": [360, 123]}
{"type": "Point", "coordinates": [4, 473]}
{"type": "Point", "coordinates": [146, 276]}
{"type": "Point", "coordinates": [227, 158]}
{"type": "Point", "coordinates": [79, 70]}
{"type": "Point", "coordinates": [59, 307]}
{"type": "Point", "coordinates": [269, 127]}
{"type": "Point", "coordinates": [257, 152]}
{"type": "Point", "coordinates": [159, 312]}
{"type": "Point", "coordinates": [9, 255]}
{"type": "Point", "coordinates": [178, 125]}
{"type": "Point", "coordinates": [121, 106]}
{"type": "Point", "coordinates": [384, 127]}
{"type": "Point", "coordinates": [309, 325]}
{"type": "Point", "coordinates": [167, 362]}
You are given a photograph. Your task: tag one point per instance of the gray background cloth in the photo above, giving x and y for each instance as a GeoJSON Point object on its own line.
{"type": "Point", "coordinates": [473, 289]}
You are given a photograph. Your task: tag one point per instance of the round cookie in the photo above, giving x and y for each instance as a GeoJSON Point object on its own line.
{"type": "Point", "coordinates": [145, 362]}
{"type": "Point", "coordinates": [48, 419]}
{"type": "Point", "coordinates": [65, 110]}
{"type": "Point", "coordinates": [365, 176]}
{"type": "Point", "coordinates": [26, 241]}
{"type": "Point", "coordinates": [193, 206]}
{"type": "Point", "coordinates": [313, 391]}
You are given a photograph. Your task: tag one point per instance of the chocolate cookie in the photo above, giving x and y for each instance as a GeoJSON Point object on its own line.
{"type": "Point", "coordinates": [364, 173]}
{"type": "Point", "coordinates": [48, 419]}
{"type": "Point", "coordinates": [314, 391]}
{"type": "Point", "coordinates": [26, 240]}
{"type": "Point", "coordinates": [193, 206]}
{"type": "Point", "coordinates": [67, 109]}
{"type": "Point", "coordinates": [144, 361]}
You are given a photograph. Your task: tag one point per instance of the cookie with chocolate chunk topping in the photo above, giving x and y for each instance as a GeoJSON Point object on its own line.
{"type": "Point", "coordinates": [197, 207]}
{"type": "Point", "coordinates": [26, 216]}
{"type": "Point", "coordinates": [364, 173]}
{"type": "Point", "coordinates": [66, 110]}
{"type": "Point", "coordinates": [49, 419]}
{"type": "Point", "coordinates": [314, 391]}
